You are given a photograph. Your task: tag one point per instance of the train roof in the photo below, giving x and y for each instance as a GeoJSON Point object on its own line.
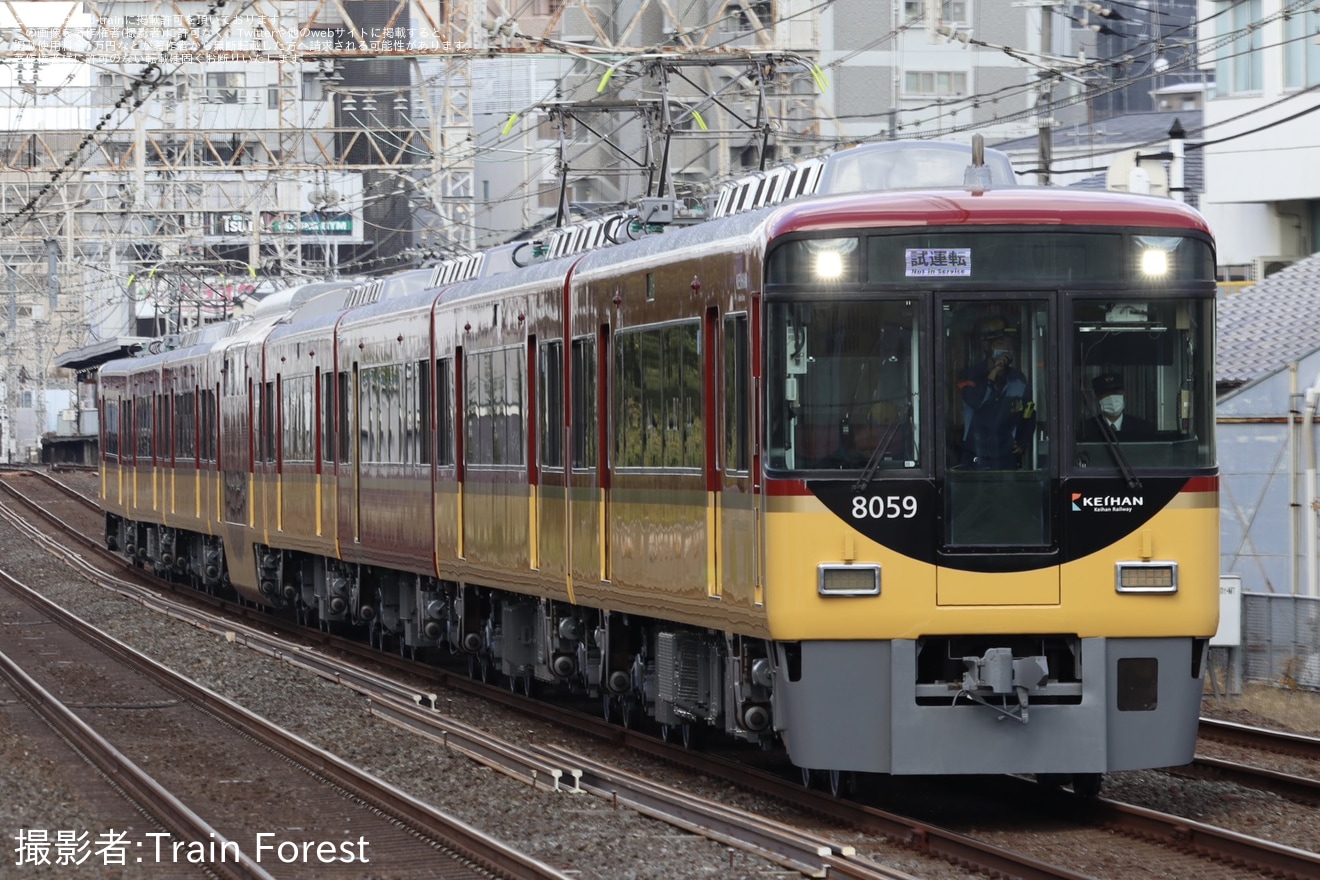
{"type": "Point", "coordinates": [1013, 206]}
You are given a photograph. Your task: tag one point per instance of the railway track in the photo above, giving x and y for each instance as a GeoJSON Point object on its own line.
{"type": "Point", "coordinates": [62, 662]}
{"type": "Point", "coordinates": [557, 769]}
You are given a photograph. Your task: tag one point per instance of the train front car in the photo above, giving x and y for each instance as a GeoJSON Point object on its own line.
{"type": "Point", "coordinates": [991, 535]}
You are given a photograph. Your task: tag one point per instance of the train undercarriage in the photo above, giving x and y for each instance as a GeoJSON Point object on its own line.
{"type": "Point", "coordinates": [686, 679]}
{"type": "Point", "coordinates": [892, 707]}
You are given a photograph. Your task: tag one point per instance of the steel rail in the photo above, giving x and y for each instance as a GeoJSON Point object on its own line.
{"type": "Point", "coordinates": [1264, 739]}
{"type": "Point", "coordinates": [136, 783]}
{"type": "Point", "coordinates": [457, 836]}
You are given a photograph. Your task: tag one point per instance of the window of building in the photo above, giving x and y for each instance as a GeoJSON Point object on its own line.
{"type": "Point", "coordinates": [951, 11]}
{"type": "Point", "coordinates": [225, 87]}
{"type": "Point", "coordinates": [935, 82]}
{"type": "Point", "coordinates": [1239, 69]}
{"type": "Point", "coordinates": [1301, 52]}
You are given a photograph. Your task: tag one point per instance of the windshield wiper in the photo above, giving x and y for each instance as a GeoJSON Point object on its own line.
{"type": "Point", "coordinates": [1116, 451]}
{"type": "Point", "coordinates": [890, 429]}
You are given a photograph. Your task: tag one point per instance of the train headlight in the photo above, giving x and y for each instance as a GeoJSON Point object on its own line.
{"type": "Point", "coordinates": [829, 265]}
{"type": "Point", "coordinates": [1155, 257]}
{"type": "Point", "coordinates": [831, 258]}
{"type": "Point", "coordinates": [1155, 263]}
{"type": "Point", "coordinates": [1146, 577]}
{"type": "Point", "coordinates": [848, 580]}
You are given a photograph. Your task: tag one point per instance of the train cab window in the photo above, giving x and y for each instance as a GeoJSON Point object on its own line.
{"type": "Point", "coordinates": [996, 390]}
{"type": "Point", "coordinates": [842, 385]}
{"type": "Point", "coordinates": [1142, 393]}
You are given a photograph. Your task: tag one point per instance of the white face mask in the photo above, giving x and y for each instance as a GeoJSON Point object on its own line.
{"type": "Point", "coordinates": [1112, 405]}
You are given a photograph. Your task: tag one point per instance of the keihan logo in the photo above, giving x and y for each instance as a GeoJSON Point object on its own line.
{"type": "Point", "coordinates": [1106, 503]}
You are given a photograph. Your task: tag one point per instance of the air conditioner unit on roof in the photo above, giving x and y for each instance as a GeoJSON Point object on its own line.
{"type": "Point", "coordinates": [1264, 267]}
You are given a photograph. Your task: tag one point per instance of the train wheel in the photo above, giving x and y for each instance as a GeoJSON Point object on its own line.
{"type": "Point", "coordinates": [689, 734]}
{"type": "Point", "coordinates": [628, 711]}
{"type": "Point", "coordinates": [1086, 785]}
{"type": "Point", "coordinates": [806, 777]}
{"type": "Point", "coordinates": [1053, 780]}
{"type": "Point", "coordinates": [607, 706]}
{"type": "Point", "coordinates": [667, 732]}
{"type": "Point", "coordinates": [837, 781]}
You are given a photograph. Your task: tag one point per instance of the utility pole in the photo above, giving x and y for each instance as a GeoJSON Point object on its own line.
{"type": "Point", "coordinates": [1044, 97]}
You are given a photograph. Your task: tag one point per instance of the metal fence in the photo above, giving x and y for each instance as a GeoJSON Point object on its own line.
{"type": "Point", "coordinates": [1281, 639]}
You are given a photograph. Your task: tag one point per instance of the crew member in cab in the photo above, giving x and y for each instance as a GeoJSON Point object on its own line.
{"type": "Point", "coordinates": [1111, 404]}
{"type": "Point", "coordinates": [999, 415]}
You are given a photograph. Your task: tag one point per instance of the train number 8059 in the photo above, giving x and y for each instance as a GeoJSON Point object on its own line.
{"type": "Point", "coordinates": [884, 507]}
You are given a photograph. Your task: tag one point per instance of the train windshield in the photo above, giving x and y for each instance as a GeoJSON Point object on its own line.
{"type": "Point", "coordinates": [996, 392]}
{"type": "Point", "coordinates": [843, 383]}
{"type": "Point", "coordinates": [1143, 389]}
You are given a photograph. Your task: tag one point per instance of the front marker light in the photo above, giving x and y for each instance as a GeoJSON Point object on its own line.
{"type": "Point", "coordinates": [848, 580]}
{"type": "Point", "coordinates": [1146, 577]}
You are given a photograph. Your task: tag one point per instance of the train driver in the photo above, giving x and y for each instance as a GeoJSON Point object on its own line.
{"type": "Point", "coordinates": [1108, 388]}
{"type": "Point", "coordinates": [999, 415]}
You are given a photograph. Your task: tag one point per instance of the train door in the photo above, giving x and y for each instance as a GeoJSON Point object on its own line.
{"type": "Point", "coordinates": [347, 472]}
{"type": "Point", "coordinates": [235, 437]}
{"type": "Point", "coordinates": [551, 487]}
{"type": "Point", "coordinates": [589, 470]}
{"type": "Point", "coordinates": [729, 444]}
{"type": "Point", "coordinates": [997, 384]}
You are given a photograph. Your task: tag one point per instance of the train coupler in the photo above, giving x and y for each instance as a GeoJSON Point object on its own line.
{"type": "Point", "coordinates": [998, 673]}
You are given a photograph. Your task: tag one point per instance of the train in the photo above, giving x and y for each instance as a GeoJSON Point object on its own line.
{"type": "Point", "coordinates": [834, 470]}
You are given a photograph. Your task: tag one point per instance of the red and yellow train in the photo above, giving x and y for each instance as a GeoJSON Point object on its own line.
{"type": "Point", "coordinates": [841, 472]}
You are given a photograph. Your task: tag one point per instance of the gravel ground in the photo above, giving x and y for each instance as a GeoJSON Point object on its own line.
{"type": "Point", "coordinates": [581, 834]}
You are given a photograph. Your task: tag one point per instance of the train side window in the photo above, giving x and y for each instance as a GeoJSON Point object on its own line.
{"type": "Point", "coordinates": [495, 398]}
{"type": "Point", "coordinates": [327, 382]}
{"type": "Point", "coordinates": [268, 422]}
{"type": "Point", "coordinates": [736, 398]}
{"type": "Point", "coordinates": [552, 403]}
{"type": "Point", "coordinates": [444, 412]}
{"type": "Point", "coordinates": [659, 406]}
{"type": "Point", "coordinates": [111, 430]}
{"type": "Point", "coordinates": [345, 416]}
{"type": "Point", "coordinates": [584, 402]}
{"type": "Point", "coordinates": [421, 403]}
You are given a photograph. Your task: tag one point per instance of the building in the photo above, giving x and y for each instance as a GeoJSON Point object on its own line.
{"type": "Point", "coordinates": [1268, 376]}
{"type": "Point", "coordinates": [1261, 136]}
